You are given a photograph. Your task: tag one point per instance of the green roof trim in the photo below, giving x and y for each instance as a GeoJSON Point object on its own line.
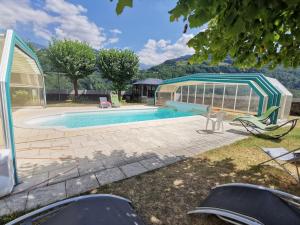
{"type": "Point", "coordinates": [274, 95]}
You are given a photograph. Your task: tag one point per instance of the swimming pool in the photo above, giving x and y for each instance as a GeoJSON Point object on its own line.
{"type": "Point", "coordinates": [89, 119]}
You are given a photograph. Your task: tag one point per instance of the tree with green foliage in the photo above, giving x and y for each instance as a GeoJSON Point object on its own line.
{"type": "Point", "coordinates": [73, 58]}
{"type": "Point", "coordinates": [253, 33]}
{"type": "Point", "coordinates": [118, 66]}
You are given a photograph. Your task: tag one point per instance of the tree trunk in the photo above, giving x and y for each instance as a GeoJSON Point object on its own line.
{"type": "Point", "coordinates": [119, 95]}
{"type": "Point", "coordinates": [75, 85]}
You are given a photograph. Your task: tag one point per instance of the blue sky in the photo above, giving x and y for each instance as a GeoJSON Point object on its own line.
{"type": "Point", "coordinates": [145, 28]}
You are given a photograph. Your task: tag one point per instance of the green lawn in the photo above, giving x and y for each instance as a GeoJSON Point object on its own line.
{"type": "Point", "coordinates": [165, 195]}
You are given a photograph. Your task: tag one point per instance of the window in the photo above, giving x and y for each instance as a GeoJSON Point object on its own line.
{"type": "Point", "coordinates": [151, 91]}
{"type": "Point", "coordinates": [229, 96]}
{"type": "Point", "coordinates": [177, 96]}
{"type": "Point", "coordinates": [199, 95]}
{"type": "Point", "coordinates": [218, 95]}
{"type": "Point", "coordinates": [184, 93]}
{"type": "Point", "coordinates": [242, 98]}
{"type": "Point", "coordinates": [254, 102]}
{"type": "Point", "coordinates": [192, 93]}
{"type": "Point", "coordinates": [209, 88]}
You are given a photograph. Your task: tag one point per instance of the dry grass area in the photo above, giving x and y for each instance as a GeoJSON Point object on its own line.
{"type": "Point", "coordinates": [165, 195]}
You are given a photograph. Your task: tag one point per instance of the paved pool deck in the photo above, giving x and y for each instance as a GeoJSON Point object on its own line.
{"type": "Point", "coordinates": [54, 164]}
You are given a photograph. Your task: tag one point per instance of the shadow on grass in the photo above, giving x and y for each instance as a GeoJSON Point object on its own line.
{"type": "Point", "coordinates": [164, 196]}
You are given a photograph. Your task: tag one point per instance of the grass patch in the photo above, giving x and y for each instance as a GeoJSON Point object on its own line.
{"type": "Point", "coordinates": [165, 195]}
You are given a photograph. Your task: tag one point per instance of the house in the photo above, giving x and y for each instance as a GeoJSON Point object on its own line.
{"type": "Point", "coordinates": [144, 90]}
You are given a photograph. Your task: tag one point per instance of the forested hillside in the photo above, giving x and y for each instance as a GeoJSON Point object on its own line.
{"type": "Point", "coordinates": [169, 69]}
{"type": "Point", "coordinates": [180, 66]}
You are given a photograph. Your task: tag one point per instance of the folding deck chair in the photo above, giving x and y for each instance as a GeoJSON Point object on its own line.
{"type": "Point", "coordinates": [251, 204]}
{"type": "Point", "coordinates": [281, 154]}
{"type": "Point", "coordinates": [262, 118]}
{"type": "Point", "coordinates": [98, 209]}
{"type": "Point", "coordinates": [104, 103]}
{"type": "Point", "coordinates": [115, 101]}
{"type": "Point", "coordinates": [258, 128]}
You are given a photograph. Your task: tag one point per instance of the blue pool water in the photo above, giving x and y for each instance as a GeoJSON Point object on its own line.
{"type": "Point", "coordinates": [87, 119]}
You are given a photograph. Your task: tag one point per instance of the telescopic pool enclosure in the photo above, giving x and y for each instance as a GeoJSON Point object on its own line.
{"type": "Point", "coordinates": [21, 84]}
{"type": "Point", "coordinates": [239, 93]}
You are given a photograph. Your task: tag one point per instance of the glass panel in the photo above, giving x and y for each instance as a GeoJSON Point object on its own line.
{"type": "Point", "coordinates": [26, 81]}
{"type": "Point", "coordinates": [281, 109]}
{"type": "Point", "coordinates": [242, 98]}
{"type": "Point", "coordinates": [254, 103]}
{"type": "Point", "coordinates": [162, 97]}
{"type": "Point", "coordinates": [184, 93]}
{"type": "Point", "coordinates": [199, 99]}
{"type": "Point", "coordinates": [265, 104]}
{"type": "Point", "coordinates": [21, 96]}
{"type": "Point", "coordinates": [192, 94]}
{"type": "Point", "coordinates": [1, 45]}
{"type": "Point", "coordinates": [218, 96]}
{"type": "Point", "coordinates": [287, 107]}
{"type": "Point", "coordinates": [229, 96]}
{"type": "Point", "coordinates": [177, 96]}
{"type": "Point", "coordinates": [208, 93]}
{"type": "Point", "coordinates": [2, 135]}
{"type": "Point", "coordinates": [42, 99]}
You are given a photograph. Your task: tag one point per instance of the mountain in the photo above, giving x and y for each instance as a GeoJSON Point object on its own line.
{"type": "Point", "coordinates": [180, 67]}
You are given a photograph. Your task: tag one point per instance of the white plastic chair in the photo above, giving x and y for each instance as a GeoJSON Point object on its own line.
{"type": "Point", "coordinates": [216, 119]}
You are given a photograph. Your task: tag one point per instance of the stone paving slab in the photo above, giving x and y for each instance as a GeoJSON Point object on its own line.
{"type": "Point", "coordinates": [152, 163]}
{"type": "Point", "coordinates": [113, 161]}
{"type": "Point", "coordinates": [32, 181]}
{"type": "Point", "coordinates": [109, 175]}
{"type": "Point", "coordinates": [46, 195]}
{"type": "Point", "coordinates": [87, 167]}
{"type": "Point", "coordinates": [17, 202]}
{"type": "Point", "coordinates": [81, 184]}
{"type": "Point", "coordinates": [133, 169]}
{"type": "Point", "coordinates": [4, 210]}
{"type": "Point", "coordinates": [63, 174]}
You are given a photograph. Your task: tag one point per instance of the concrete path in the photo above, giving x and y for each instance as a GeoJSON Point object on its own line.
{"type": "Point", "coordinates": [56, 164]}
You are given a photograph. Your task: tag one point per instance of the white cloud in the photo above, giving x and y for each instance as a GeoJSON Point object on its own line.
{"type": "Point", "coordinates": [73, 24]}
{"type": "Point", "coordinates": [156, 52]}
{"type": "Point", "coordinates": [63, 7]}
{"type": "Point", "coordinates": [113, 40]}
{"type": "Point", "coordinates": [13, 12]}
{"type": "Point", "coordinates": [68, 21]}
{"type": "Point", "coordinates": [115, 31]}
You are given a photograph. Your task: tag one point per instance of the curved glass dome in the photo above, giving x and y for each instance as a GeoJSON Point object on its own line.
{"type": "Point", "coordinates": [234, 92]}
{"type": "Point", "coordinates": [21, 84]}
